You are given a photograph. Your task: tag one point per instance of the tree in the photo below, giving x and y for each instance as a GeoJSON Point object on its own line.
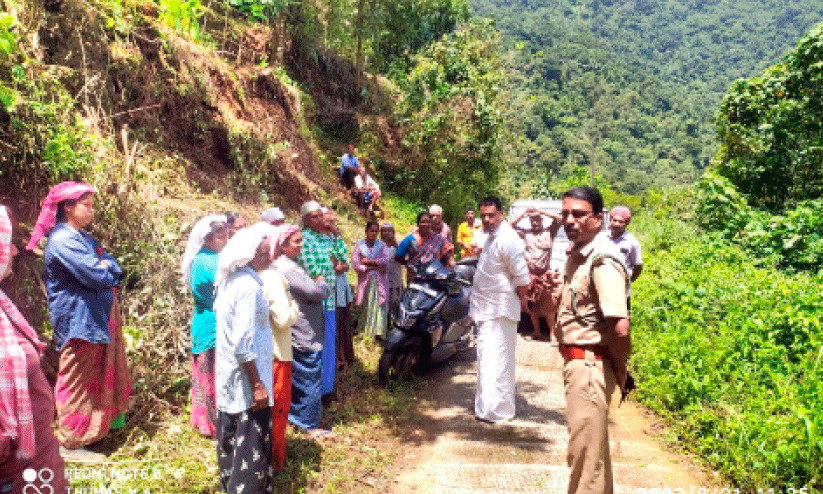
{"type": "Point", "coordinates": [452, 118]}
{"type": "Point", "coordinates": [771, 129]}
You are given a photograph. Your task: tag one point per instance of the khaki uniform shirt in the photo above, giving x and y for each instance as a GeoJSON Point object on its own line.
{"type": "Point", "coordinates": [594, 288]}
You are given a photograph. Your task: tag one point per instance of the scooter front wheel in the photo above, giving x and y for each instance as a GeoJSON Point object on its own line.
{"type": "Point", "coordinates": [399, 363]}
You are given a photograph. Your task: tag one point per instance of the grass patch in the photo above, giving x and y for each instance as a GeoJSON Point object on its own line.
{"type": "Point", "coordinates": [402, 212]}
{"type": "Point", "coordinates": [729, 354]}
{"type": "Point", "coordinates": [164, 454]}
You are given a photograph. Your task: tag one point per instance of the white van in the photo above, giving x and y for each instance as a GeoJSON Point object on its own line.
{"type": "Point", "coordinates": [561, 242]}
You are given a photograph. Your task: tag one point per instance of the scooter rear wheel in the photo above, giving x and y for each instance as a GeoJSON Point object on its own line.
{"type": "Point", "coordinates": [399, 364]}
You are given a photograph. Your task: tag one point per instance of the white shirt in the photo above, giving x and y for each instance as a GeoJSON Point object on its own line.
{"type": "Point", "coordinates": [629, 248]}
{"type": "Point", "coordinates": [369, 183]}
{"type": "Point", "coordinates": [479, 238]}
{"type": "Point", "coordinates": [283, 311]}
{"type": "Point", "coordinates": [500, 269]}
{"type": "Point", "coordinates": [243, 335]}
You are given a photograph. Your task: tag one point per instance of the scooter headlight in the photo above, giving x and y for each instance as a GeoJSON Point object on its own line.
{"type": "Point", "coordinates": [405, 319]}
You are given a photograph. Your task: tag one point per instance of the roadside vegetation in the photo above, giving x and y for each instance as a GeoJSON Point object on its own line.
{"type": "Point", "coordinates": [729, 343]}
{"type": "Point", "coordinates": [730, 352]}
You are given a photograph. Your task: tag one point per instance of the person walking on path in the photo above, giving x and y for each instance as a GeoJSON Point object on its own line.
{"type": "Point", "coordinates": [199, 267]}
{"type": "Point", "coordinates": [629, 246]}
{"type": "Point", "coordinates": [500, 284]}
{"type": "Point", "coordinates": [465, 233]}
{"type": "Point", "coordinates": [27, 440]}
{"type": "Point", "coordinates": [93, 382]}
{"type": "Point", "coordinates": [307, 334]}
{"type": "Point", "coordinates": [244, 355]}
{"type": "Point", "coordinates": [394, 271]}
{"type": "Point", "coordinates": [349, 167]}
{"type": "Point", "coordinates": [316, 258]}
{"type": "Point", "coordinates": [370, 258]}
{"type": "Point", "coordinates": [593, 333]}
{"type": "Point", "coordinates": [543, 293]}
{"type": "Point", "coordinates": [283, 313]}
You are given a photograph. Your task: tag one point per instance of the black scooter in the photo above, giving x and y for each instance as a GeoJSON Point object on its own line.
{"type": "Point", "coordinates": [432, 321]}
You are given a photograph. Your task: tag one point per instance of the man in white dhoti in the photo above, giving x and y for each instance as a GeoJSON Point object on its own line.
{"type": "Point", "coordinates": [500, 283]}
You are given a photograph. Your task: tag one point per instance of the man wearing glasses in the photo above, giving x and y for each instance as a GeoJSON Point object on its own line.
{"type": "Point", "coordinates": [593, 332]}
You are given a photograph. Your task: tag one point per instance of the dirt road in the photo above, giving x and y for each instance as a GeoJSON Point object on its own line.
{"type": "Point", "coordinates": [455, 454]}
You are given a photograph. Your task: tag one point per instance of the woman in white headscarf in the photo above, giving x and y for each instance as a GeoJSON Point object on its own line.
{"type": "Point", "coordinates": [199, 267]}
{"type": "Point", "coordinates": [244, 353]}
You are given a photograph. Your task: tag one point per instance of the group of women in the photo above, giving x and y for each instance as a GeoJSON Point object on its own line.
{"type": "Point", "coordinates": [258, 318]}
{"type": "Point", "coordinates": [258, 330]}
{"type": "Point", "coordinates": [377, 259]}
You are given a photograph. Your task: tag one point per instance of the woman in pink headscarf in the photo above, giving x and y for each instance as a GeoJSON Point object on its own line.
{"type": "Point", "coordinates": [93, 384]}
{"type": "Point", "coordinates": [27, 442]}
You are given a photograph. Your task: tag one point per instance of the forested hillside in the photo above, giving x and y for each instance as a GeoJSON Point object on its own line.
{"type": "Point", "coordinates": [633, 86]}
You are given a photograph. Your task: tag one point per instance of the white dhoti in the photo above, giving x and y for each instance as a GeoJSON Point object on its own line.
{"type": "Point", "coordinates": [496, 340]}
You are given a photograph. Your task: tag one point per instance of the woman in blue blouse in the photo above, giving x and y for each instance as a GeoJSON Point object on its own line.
{"type": "Point", "coordinates": [93, 384]}
{"type": "Point", "coordinates": [199, 267]}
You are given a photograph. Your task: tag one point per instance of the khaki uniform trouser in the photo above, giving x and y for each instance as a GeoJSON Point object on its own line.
{"type": "Point", "coordinates": [589, 387]}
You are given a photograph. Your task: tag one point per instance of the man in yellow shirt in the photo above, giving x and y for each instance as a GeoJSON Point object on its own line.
{"type": "Point", "coordinates": [465, 232]}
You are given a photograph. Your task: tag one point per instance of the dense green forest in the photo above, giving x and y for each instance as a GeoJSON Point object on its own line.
{"type": "Point", "coordinates": [632, 86]}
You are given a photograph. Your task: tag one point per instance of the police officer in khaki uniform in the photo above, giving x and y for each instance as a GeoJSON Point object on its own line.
{"type": "Point", "coordinates": [593, 333]}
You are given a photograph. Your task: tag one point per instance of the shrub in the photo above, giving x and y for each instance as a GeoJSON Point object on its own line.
{"type": "Point", "coordinates": [452, 119]}
{"type": "Point", "coordinates": [183, 16]}
{"type": "Point", "coordinates": [719, 206]}
{"type": "Point", "coordinates": [770, 129]}
{"type": "Point", "coordinates": [731, 354]}
{"type": "Point", "coordinates": [260, 10]}
{"type": "Point", "coordinates": [794, 241]}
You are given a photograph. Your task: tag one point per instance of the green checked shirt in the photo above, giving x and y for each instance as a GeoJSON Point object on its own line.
{"type": "Point", "coordinates": [315, 257]}
{"type": "Point", "coordinates": [340, 251]}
